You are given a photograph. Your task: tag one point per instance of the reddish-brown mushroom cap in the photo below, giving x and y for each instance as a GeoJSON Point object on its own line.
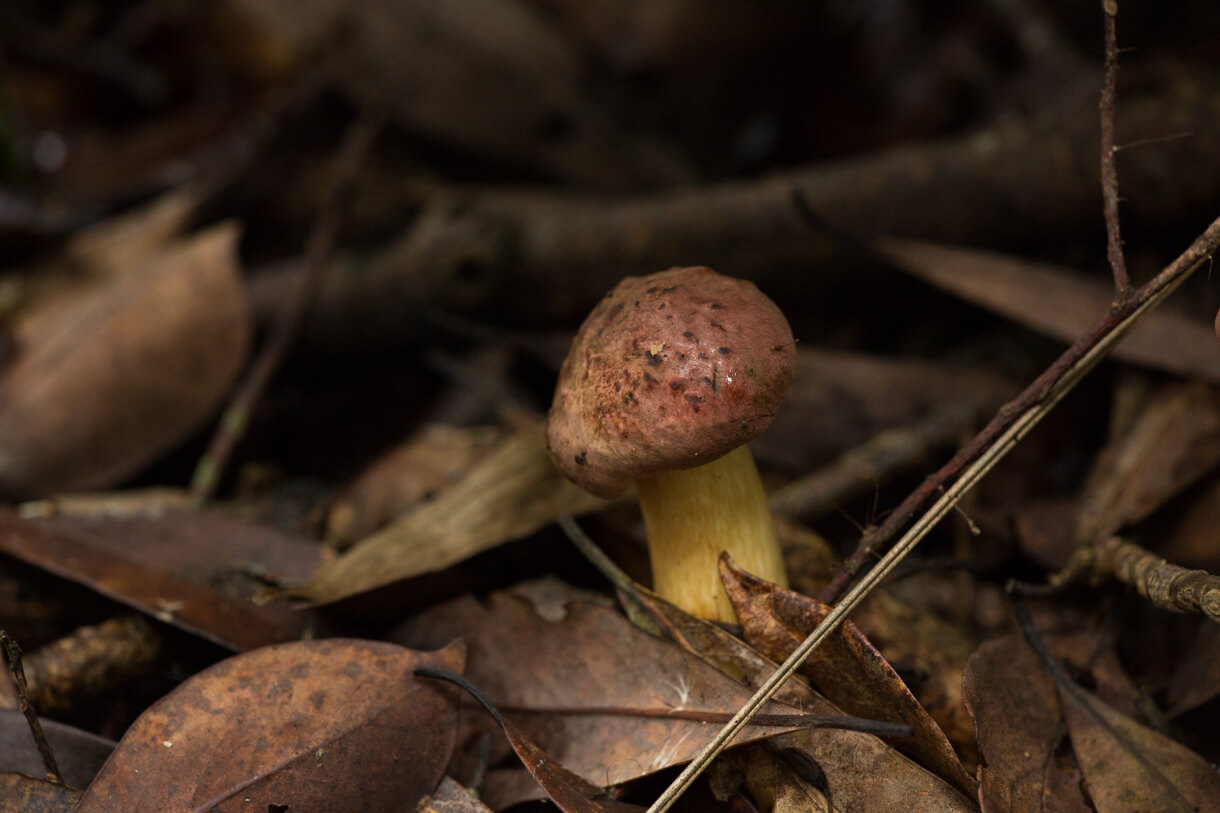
{"type": "Point", "coordinates": [670, 371]}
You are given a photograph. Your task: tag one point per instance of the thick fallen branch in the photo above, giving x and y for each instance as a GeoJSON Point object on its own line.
{"type": "Point", "coordinates": [533, 257]}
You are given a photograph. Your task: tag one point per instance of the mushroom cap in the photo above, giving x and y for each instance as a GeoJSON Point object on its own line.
{"type": "Point", "coordinates": [669, 371]}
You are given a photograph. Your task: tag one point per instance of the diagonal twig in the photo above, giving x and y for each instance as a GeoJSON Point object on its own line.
{"type": "Point", "coordinates": [1109, 175]}
{"type": "Point", "coordinates": [236, 417]}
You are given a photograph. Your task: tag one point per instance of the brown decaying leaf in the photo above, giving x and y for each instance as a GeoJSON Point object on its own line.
{"type": "Point", "coordinates": [511, 493]}
{"type": "Point", "coordinates": [1019, 725]}
{"type": "Point", "coordinates": [114, 377]}
{"type": "Point", "coordinates": [177, 568]}
{"type": "Point", "coordinates": [26, 794]}
{"type": "Point", "coordinates": [593, 657]}
{"type": "Point", "coordinates": [1175, 440]}
{"type": "Point", "coordinates": [846, 668]}
{"type": "Point", "coordinates": [440, 70]}
{"type": "Point", "coordinates": [450, 797]}
{"type": "Point", "coordinates": [429, 462]}
{"type": "Point", "coordinates": [1128, 766]}
{"type": "Point", "coordinates": [592, 690]}
{"type": "Point", "coordinates": [1057, 302]}
{"type": "Point", "coordinates": [312, 725]}
{"type": "Point", "coordinates": [78, 754]}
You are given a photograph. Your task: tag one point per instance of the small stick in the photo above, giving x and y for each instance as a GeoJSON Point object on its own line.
{"type": "Point", "coordinates": [236, 418]}
{"type": "Point", "coordinates": [874, 460]}
{"type": "Point", "coordinates": [12, 652]}
{"type": "Point", "coordinates": [1109, 175]}
{"type": "Point", "coordinates": [1167, 586]}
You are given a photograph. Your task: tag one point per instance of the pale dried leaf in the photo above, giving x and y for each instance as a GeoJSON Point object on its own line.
{"type": "Point", "coordinates": [512, 493]}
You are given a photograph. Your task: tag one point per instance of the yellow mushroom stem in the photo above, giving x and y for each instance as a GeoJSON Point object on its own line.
{"type": "Point", "coordinates": [691, 515]}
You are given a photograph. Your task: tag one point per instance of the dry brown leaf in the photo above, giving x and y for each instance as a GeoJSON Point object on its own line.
{"type": "Point", "coordinates": [109, 380]}
{"type": "Point", "coordinates": [1019, 724]}
{"type": "Point", "coordinates": [1175, 440]}
{"type": "Point", "coordinates": [492, 76]}
{"type": "Point", "coordinates": [1057, 302]}
{"type": "Point", "coordinates": [182, 568]}
{"type": "Point", "coordinates": [1128, 766]}
{"type": "Point", "coordinates": [593, 691]}
{"type": "Point", "coordinates": [847, 669]}
{"type": "Point", "coordinates": [594, 657]}
{"type": "Point", "coordinates": [312, 725]}
{"type": "Point", "coordinates": [510, 494]}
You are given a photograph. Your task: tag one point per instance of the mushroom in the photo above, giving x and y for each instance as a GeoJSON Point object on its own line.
{"type": "Point", "coordinates": [667, 380]}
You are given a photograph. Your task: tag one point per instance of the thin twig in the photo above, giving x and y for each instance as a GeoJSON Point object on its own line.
{"type": "Point", "coordinates": [236, 418]}
{"type": "Point", "coordinates": [873, 461]}
{"type": "Point", "coordinates": [1013, 422]}
{"type": "Point", "coordinates": [12, 652]}
{"type": "Point", "coordinates": [1167, 586]}
{"type": "Point", "coordinates": [1109, 175]}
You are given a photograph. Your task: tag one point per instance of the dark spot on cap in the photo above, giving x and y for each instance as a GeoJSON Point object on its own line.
{"type": "Point", "coordinates": [653, 361]}
{"type": "Point", "coordinates": [694, 399]}
{"type": "Point", "coordinates": [651, 290]}
{"type": "Point", "coordinates": [676, 384]}
{"type": "Point", "coordinates": [718, 326]}
{"type": "Point", "coordinates": [716, 307]}
{"type": "Point", "coordinates": [581, 458]}
{"type": "Point", "coordinates": [661, 307]}
{"type": "Point", "coordinates": [689, 335]}
{"type": "Point", "coordinates": [724, 351]}
{"type": "Point", "coordinates": [648, 378]}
